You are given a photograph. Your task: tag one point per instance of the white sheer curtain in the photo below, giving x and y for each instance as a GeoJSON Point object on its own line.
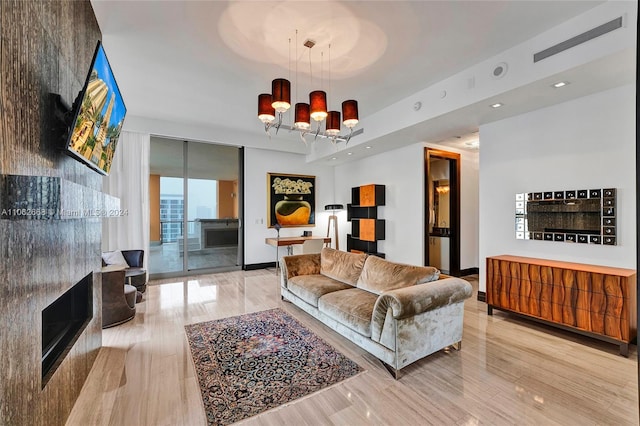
{"type": "Point", "coordinates": [129, 181]}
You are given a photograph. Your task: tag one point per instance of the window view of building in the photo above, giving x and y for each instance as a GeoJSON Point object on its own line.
{"type": "Point", "coordinates": [171, 216]}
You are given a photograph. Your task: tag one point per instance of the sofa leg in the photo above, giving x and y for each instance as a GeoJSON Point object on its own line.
{"type": "Point", "coordinates": [458, 346]}
{"type": "Point", "coordinates": [395, 373]}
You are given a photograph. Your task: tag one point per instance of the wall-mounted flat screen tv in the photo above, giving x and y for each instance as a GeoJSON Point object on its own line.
{"type": "Point", "coordinates": [98, 117]}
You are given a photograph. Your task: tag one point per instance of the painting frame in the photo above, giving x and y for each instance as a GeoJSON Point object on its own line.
{"type": "Point", "coordinates": [291, 200]}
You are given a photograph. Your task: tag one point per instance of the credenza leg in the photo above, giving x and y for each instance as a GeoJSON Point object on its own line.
{"type": "Point", "coordinates": [624, 350]}
{"type": "Point", "coordinates": [489, 310]}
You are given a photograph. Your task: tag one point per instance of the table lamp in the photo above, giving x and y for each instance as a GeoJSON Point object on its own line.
{"type": "Point", "coordinates": [333, 218]}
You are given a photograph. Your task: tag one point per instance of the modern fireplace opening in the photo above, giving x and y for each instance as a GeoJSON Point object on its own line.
{"type": "Point", "coordinates": [62, 322]}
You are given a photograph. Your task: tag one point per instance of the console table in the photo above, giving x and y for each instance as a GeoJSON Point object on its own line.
{"type": "Point", "coordinates": [597, 301]}
{"type": "Point", "coordinates": [291, 241]}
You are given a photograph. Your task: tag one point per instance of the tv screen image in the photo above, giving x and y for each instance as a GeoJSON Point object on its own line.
{"type": "Point", "coordinates": [97, 124]}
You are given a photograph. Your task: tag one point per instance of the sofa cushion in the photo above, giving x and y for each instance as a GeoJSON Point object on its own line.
{"type": "Point", "coordinates": [341, 265]}
{"type": "Point", "coordinates": [351, 307]}
{"type": "Point", "coordinates": [301, 264]}
{"type": "Point", "coordinates": [311, 287]}
{"type": "Point", "coordinates": [379, 275]}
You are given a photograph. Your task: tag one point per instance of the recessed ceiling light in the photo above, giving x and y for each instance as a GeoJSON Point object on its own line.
{"type": "Point", "coordinates": [473, 144]}
{"type": "Point", "coordinates": [560, 84]}
{"type": "Point", "coordinates": [496, 105]}
{"type": "Point", "coordinates": [334, 158]}
{"type": "Point", "coordinates": [368, 147]}
{"type": "Point", "coordinates": [349, 153]}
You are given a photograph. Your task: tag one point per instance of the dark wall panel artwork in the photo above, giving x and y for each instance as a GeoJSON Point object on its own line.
{"type": "Point", "coordinates": [584, 216]}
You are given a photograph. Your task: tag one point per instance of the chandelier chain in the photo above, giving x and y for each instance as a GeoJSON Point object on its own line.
{"type": "Point", "coordinates": [289, 65]}
{"type": "Point", "coordinates": [322, 70]}
{"type": "Point", "coordinates": [296, 100]}
{"type": "Point", "coordinates": [329, 94]}
{"type": "Point", "coordinates": [310, 68]}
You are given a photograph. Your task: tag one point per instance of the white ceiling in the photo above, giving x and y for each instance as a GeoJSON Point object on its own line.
{"type": "Point", "coordinates": [205, 62]}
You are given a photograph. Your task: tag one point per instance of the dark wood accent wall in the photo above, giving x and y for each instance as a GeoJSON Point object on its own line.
{"type": "Point", "coordinates": [45, 47]}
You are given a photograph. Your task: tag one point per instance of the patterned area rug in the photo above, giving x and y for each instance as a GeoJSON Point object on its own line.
{"type": "Point", "coordinates": [251, 363]}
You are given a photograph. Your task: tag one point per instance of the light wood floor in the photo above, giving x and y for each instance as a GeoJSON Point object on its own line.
{"type": "Point", "coordinates": [509, 372]}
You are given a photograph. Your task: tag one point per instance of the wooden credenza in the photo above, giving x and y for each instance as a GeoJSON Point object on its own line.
{"type": "Point", "coordinates": [598, 301]}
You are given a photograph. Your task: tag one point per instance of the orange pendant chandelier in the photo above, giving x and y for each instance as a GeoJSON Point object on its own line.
{"type": "Point", "coordinates": [273, 105]}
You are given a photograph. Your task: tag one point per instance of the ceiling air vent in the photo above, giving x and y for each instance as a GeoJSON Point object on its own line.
{"type": "Point", "coordinates": [579, 39]}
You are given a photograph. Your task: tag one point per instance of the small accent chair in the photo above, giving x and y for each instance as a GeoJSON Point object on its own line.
{"type": "Point", "coordinates": [118, 299]}
{"type": "Point", "coordinates": [136, 275]}
{"type": "Point", "coordinates": [309, 246]}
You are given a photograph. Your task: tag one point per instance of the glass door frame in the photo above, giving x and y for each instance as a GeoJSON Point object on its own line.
{"type": "Point", "coordinates": [185, 221]}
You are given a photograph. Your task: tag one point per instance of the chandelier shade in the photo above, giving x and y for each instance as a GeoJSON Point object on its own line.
{"type": "Point", "coordinates": [333, 123]}
{"type": "Point", "coordinates": [266, 112]}
{"type": "Point", "coordinates": [318, 105]}
{"type": "Point", "coordinates": [334, 207]}
{"type": "Point", "coordinates": [302, 117]}
{"type": "Point", "coordinates": [281, 94]}
{"type": "Point", "coordinates": [350, 113]}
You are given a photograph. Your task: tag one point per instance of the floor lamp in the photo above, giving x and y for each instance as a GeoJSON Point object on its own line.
{"type": "Point", "coordinates": [333, 218]}
{"type": "Point", "coordinates": [277, 226]}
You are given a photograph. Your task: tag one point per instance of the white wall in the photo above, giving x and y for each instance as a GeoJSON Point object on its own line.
{"type": "Point", "coordinates": [259, 162]}
{"type": "Point", "coordinates": [581, 144]}
{"type": "Point", "coordinates": [469, 222]}
{"type": "Point", "coordinates": [402, 172]}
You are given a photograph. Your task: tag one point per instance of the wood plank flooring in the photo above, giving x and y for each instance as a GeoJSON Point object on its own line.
{"type": "Point", "coordinates": [510, 371]}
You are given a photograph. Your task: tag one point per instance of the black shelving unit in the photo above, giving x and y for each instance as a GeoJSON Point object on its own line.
{"type": "Point", "coordinates": [366, 228]}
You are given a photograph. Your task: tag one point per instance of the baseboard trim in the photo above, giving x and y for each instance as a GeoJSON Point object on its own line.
{"type": "Point", "coordinates": [254, 266]}
{"type": "Point", "coordinates": [482, 296]}
{"type": "Point", "coordinates": [469, 271]}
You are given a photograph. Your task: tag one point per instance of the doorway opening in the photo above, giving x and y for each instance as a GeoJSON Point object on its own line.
{"type": "Point", "coordinates": [442, 207]}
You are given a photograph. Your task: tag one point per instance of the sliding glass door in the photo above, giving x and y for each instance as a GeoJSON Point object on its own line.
{"type": "Point", "coordinates": [212, 206]}
{"type": "Point", "coordinates": [166, 201]}
{"type": "Point", "coordinates": [196, 207]}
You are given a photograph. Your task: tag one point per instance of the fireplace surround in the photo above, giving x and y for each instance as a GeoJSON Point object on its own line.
{"type": "Point", "coordinates": [62, 323]}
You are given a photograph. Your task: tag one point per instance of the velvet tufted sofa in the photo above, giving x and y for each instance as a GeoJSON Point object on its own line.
{"type": "Point", "coordinates": [399, 313]}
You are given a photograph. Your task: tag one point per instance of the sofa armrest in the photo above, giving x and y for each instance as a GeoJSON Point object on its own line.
{"type": "Point", "coordinates": [409, 301]}
{"type": "Point", "coordinates": [300, 264]}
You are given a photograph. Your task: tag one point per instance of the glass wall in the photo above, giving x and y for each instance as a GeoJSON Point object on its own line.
{"type": "Point", "coordinates": [166, 201]}
{"type": "Point", "coordinates": [199, 232]}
